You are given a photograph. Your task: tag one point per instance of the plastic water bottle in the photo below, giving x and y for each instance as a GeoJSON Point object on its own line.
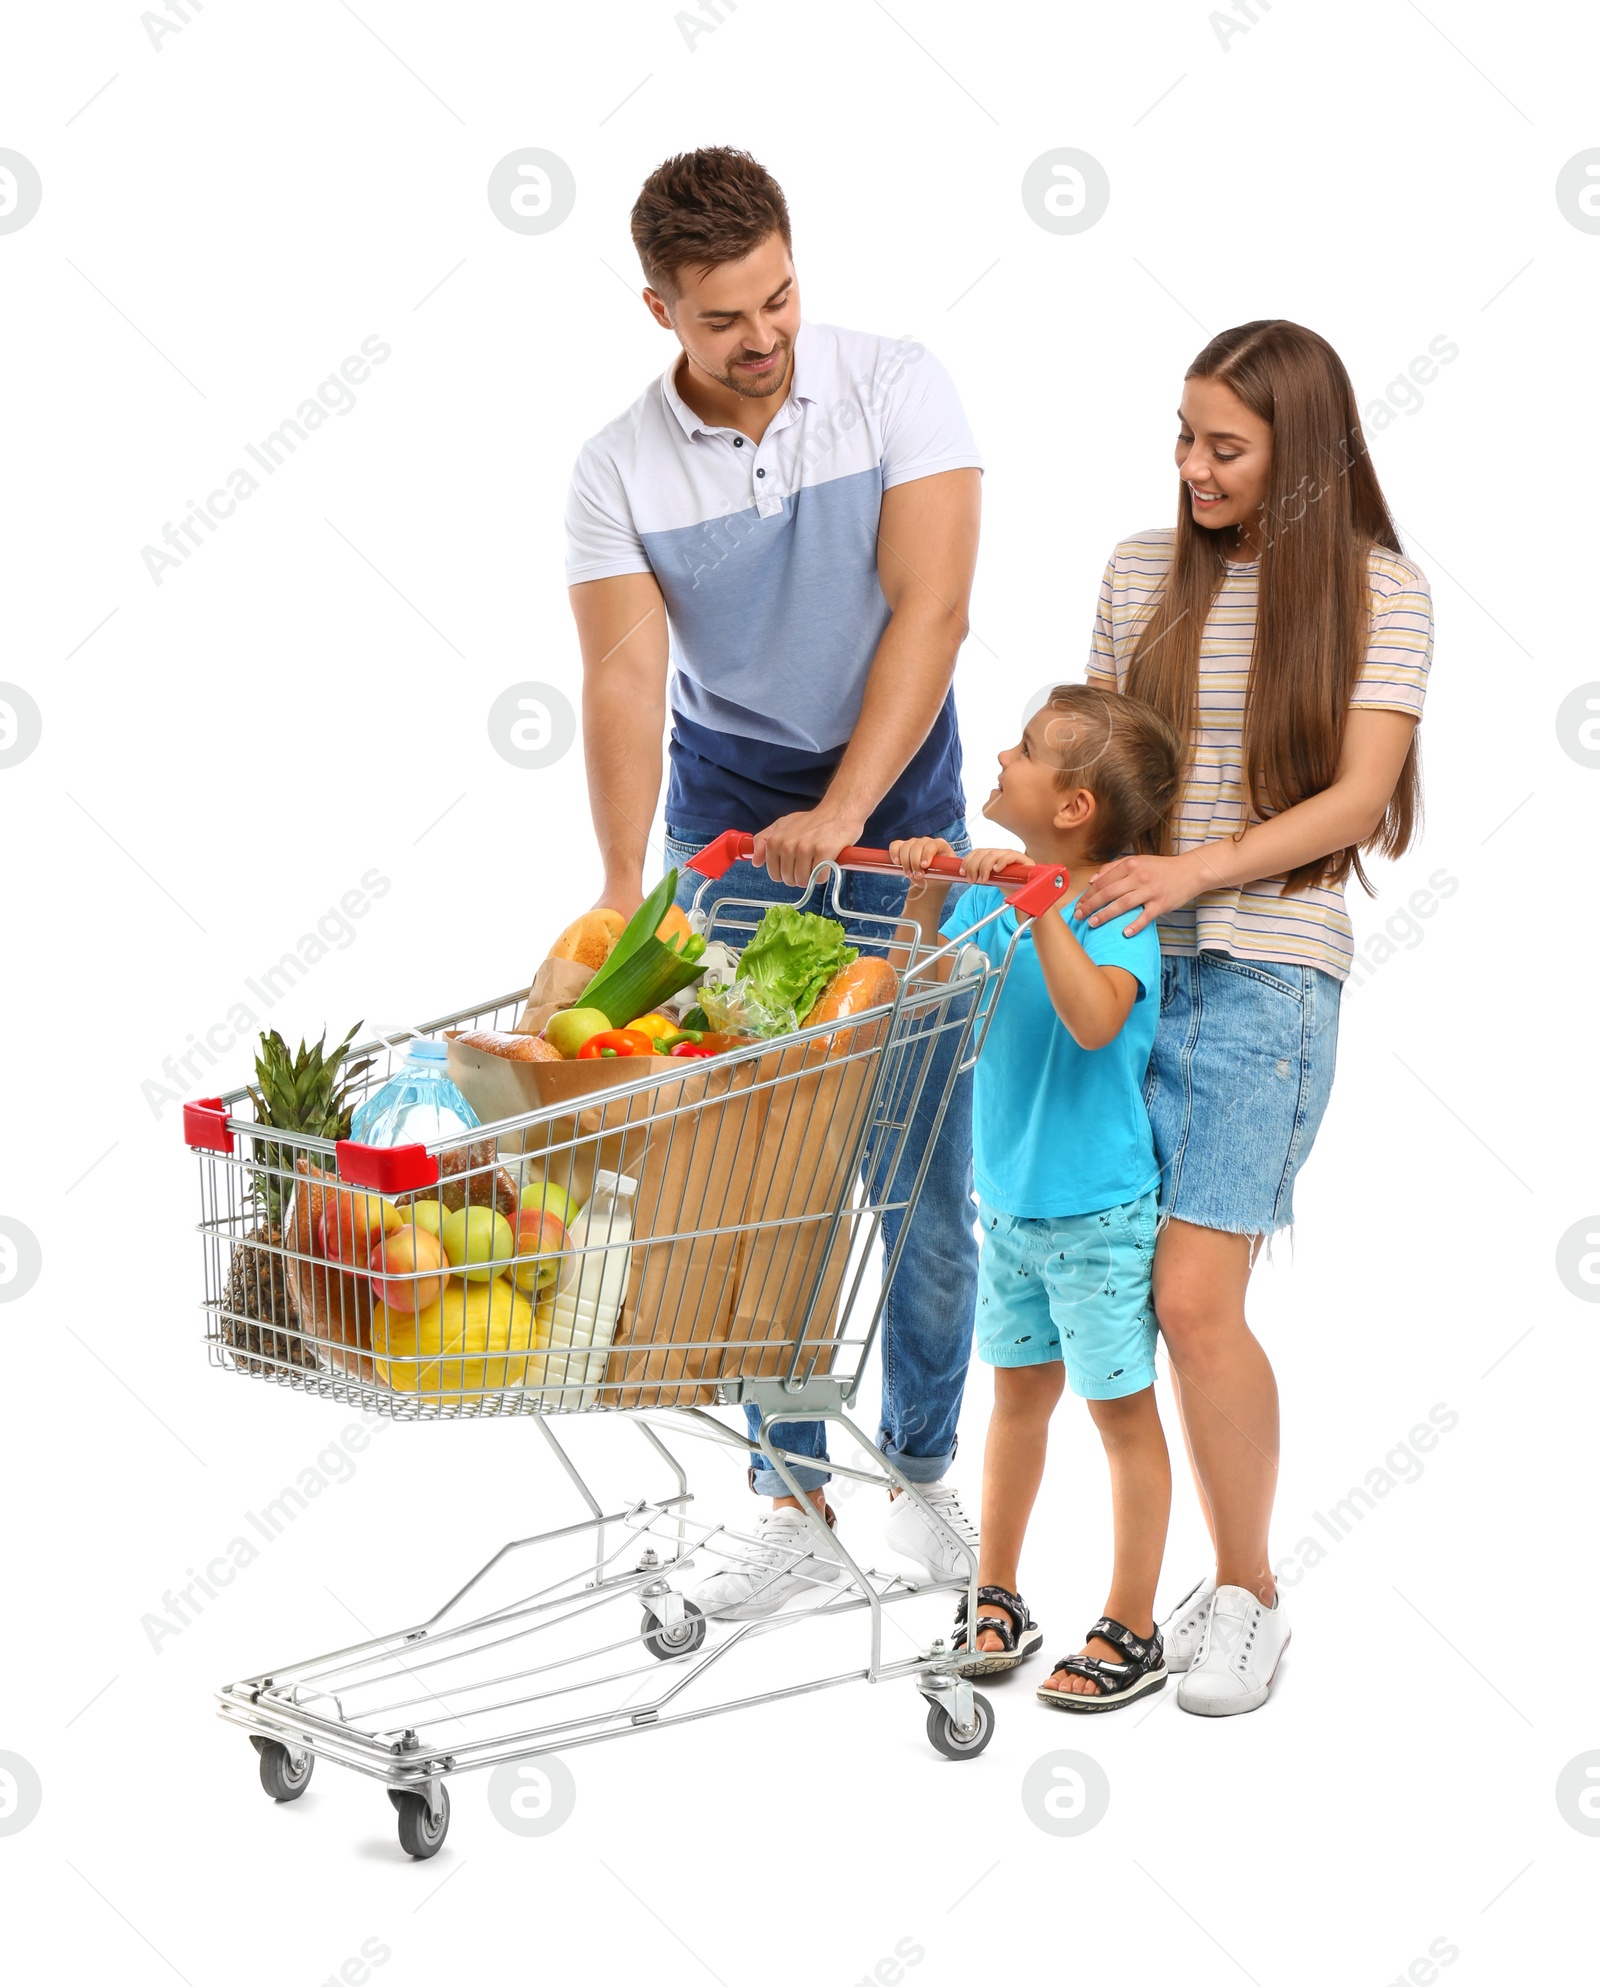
{"type": "Point", "coordinates": [418, 1104]}
{"type": "Point", "coordinates": [583, 1315]}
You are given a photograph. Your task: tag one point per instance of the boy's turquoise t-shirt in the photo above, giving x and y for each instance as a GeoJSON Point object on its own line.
{"type": "Point", "coordinates": [1057, 1129]}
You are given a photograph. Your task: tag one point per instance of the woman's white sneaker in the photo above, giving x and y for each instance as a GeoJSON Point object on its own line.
{"type": "Point", "coordinates": [1183, 1628]}
{"type": "Point", "coordinates": [1238, 1657]}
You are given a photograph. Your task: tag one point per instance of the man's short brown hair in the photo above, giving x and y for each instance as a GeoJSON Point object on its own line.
{"type": "Point", "coordinates": [704, 208]}
{"type": "Point", "coordinates": [1126, 754]}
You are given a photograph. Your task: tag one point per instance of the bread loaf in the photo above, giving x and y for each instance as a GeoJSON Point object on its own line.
{"type": "Point", "coordinates": [468, 1176]}
{"type": "Point", "coordinates": [335, 1303]}
{"type": "Point", "coordinates": [515, 1048]}
{"type": "Point", "coordinates": [863, 984]}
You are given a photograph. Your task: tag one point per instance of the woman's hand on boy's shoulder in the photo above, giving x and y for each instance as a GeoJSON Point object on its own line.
{"type": "Point", "coordinates": [914, 854]}
{"type": "Point", "coordinates": [981, 865]}
{"type": "Point", "coordinates": [1151, 885]}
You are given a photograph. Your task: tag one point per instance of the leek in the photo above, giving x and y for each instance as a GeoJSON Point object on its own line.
{"type": "Point", "coordinates": [653, 975]}
{"type": "Point", "coordinates": [641, 971]}
{"type": "Point", "coordinates": [642, 924]}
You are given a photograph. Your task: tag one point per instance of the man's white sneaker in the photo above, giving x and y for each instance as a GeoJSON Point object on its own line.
{"type": "Point", "coordinates": [1183, 1628]}
{"type": "Point", "coordinates": [1238, 1657]}
{"type": "Point", "coordinates": [783, 1557]}
{"type": "Point", "coordinates": [909, 1531]}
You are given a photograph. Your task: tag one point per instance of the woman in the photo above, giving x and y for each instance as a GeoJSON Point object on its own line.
{"type": "Point", "coordinates": [1282, 631]}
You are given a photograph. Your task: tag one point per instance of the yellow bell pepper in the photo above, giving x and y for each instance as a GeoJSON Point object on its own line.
{"type": "Point", "coordinates": [655, 1025]}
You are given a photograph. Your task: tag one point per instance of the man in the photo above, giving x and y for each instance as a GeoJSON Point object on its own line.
{"type": "Point", "coordinates": [789, 518]}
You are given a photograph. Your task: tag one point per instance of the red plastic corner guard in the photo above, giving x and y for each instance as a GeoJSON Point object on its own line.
{"type": "Point", "coordinates": [205, 1126]}
{"type": "Point", "coordinates": [718, 857]}
{"type": "Point", "coordinates": [387, 1169]}
{"type": "Point", "coordinates": [1046, 887]}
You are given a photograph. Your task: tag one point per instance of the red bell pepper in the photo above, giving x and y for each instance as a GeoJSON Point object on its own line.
{"type": "Point", "coordinates": [688, 1049]}
{"type": "Point", "coordinates": [617, 1042]}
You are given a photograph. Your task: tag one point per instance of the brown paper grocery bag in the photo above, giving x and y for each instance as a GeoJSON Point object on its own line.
{"type": "Point", "coordinates": [690, 1139]}
{"type": "Point", "coordinates": [697, 1175]}
{"type": "Point", "coordinates": [804, 1171]}
{"type": "Point", "coordinates": [567, 1149]}
{"type": "Point", "coordinates": [557, 983]}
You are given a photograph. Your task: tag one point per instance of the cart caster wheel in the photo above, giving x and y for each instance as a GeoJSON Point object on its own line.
{"type": "Point", "coordinates": [683, 1640]}
{"type": "Point", "coordinates": [420, 1836]}
{"type": "Point", "coordinates": [943, 1736]}
{"type": "Point", "coordinates": [396, 1797]}
{"type": "Point", "coordinates": [278, 1773]}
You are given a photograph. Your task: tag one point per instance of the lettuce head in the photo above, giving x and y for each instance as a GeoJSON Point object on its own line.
{"type": "Point", "coordinates": [792, 957]}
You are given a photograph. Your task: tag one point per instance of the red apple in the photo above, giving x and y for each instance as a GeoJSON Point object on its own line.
{"type": "Point", "coordinates": [539, 1235]}
{"type": "Point", "coordinates": [352, 1222]}
{"type": "Point", "coordinates": [409, 1270]}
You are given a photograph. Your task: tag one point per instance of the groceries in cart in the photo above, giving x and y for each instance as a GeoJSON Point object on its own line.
{"type": "Point", "coordinates": [502, 1271]}
{"type": "Point", "coordinates": [652, 986]}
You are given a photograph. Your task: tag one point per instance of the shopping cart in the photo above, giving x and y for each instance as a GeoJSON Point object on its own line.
{"type": "Point", "coordinates": [761, 1180]}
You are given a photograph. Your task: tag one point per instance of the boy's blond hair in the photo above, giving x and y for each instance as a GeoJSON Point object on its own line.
{"type": "Point", "coordinates": [1126, 754]}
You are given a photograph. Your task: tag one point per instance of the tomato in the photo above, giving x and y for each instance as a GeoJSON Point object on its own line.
{"type": "Point", "coordinates": [617, 1042]}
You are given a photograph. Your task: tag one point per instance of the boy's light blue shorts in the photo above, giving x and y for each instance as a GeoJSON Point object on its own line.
{"type": "Point", "coordinates": [1073, 1287]}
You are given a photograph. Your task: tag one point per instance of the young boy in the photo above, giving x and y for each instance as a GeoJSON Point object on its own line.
{"type": "Point", "coordinates": [1066, 1174]}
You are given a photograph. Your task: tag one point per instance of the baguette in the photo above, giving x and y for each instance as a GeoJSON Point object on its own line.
{"type": "Point", "coordinates": [863, 984]}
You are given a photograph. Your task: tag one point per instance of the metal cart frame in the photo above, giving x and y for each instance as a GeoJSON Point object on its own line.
{"type": "Point", "coordinates": [461, 1689]}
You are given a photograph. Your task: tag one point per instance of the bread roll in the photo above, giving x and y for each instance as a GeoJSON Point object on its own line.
{"type": "Point", "coordinates": [515, 1048]}
{"type": "Point", "coordinates": [468, 1175]}
{"type": "Point", "coordinates": [335, 1303]}
{"type": "Point", "coordinates": [589, 939]}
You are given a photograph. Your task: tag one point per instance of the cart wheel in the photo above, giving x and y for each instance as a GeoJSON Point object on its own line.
{"type": "Point", "coordinates": [680, 1641]}
{"type": "Point", "coordinates": [278, 1774]}
{"type": "Point", "coordinates": [944, 1737]}
{"type": "Point", "coordinates": [396, 1797]}
{"type": "Point", "coordinates": [420, 1836]}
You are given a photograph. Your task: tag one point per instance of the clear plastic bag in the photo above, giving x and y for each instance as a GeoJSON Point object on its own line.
{"type": "Point", "coordinates": [739, 1010]}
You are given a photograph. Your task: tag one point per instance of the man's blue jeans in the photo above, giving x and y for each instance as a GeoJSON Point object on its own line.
{"type": "Point", "coordinates": [926, 1338]}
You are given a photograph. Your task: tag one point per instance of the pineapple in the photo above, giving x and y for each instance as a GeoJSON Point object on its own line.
{"type": "Point", "coordinates": [307, 1094]}
{"type": "Point", "coordinates": [262, 1317]}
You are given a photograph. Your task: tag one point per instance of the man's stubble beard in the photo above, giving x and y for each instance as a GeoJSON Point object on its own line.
{"type": "Point", "coordinates": [749, 392]}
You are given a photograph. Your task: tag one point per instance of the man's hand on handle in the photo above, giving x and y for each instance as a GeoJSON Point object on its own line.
{"type": "Point", "coordinates": [792, 846]}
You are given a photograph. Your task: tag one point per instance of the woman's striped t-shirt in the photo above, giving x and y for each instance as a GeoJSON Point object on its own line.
{"type": "Point", "coordinates": [1311, 927]}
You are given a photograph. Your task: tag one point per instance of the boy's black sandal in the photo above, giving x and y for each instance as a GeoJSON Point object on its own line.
{"type": "Point", "coordinates": [1115, 1683]}
{"type": "Point", "coordinates": [1021, 1634]}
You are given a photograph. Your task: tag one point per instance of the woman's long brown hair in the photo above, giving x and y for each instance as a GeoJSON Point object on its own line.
{"type": "Point", "coordinates": [1323, 513]}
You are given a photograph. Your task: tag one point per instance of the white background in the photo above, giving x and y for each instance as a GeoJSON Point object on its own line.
{"type": "Point", "coordinates": [224, 755]}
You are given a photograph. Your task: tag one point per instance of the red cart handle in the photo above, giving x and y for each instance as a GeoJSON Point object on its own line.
{"type": "Point", "coordinates": [1043, 884]}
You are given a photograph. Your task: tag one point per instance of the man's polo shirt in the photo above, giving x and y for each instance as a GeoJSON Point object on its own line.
{"type": "Point", "coordinates": [767, 557]}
